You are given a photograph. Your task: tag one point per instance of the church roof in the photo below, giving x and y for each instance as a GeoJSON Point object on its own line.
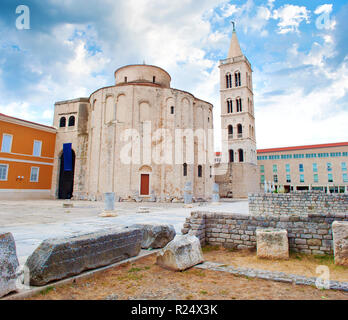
{"type": "Point", "coordinates": [235, 50]}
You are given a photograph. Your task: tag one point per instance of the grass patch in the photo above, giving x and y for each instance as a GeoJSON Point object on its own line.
{"type": "Point", "coordinates": [210, 248]}
{"type": "Point", "coordinates": [203, 292]}
{"type": "Point", "coordinates": [47, 290]}
{"type": "Point", "coordinates": [324, 258]}
{"type": "Point", "coordinates": [134, 269]}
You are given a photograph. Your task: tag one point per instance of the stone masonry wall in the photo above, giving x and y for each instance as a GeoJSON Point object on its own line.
{"type": "Point", "coordinates": [301, 203]}
{"type": "Point", "coordinates": [311, 234]}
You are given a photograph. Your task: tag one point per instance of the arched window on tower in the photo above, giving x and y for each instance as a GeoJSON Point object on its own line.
{"type": "Point", "coordinates": [230, 130]}
{"type": "Point", "coordinates": [241, 155]}
{"type": "Point", "coordinates": [231, 155]}
{"type": "Point", "coordinates": [239, 104]}
{"type": "Point", "coordinates": [240, 130]}
{"type": "Point", "coordinates": [229, 106]}
{"type": "Point", "coordinates": [184, 166]}
{"type": "Point", "coordinates": [228, 81]}
{"type": "Point", "coordinates": [62, 122]}
{"type": "Point", "coordinates": [71, 121]}
{"type": "Point", "coordinates": [237, 79]}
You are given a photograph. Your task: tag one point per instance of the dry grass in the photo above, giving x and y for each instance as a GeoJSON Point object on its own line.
{"type": "Point", "coordinates": [143, 279]}
{"type": "Point", "coordinates": [300, 264]}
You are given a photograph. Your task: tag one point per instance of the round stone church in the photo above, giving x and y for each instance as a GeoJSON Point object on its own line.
{"type": "Point", "coordinates": [139, 138]}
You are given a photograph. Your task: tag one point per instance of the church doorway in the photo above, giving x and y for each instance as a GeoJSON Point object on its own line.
{"type": "Point", "coordinates": [66, 173]}
{"type": "Point", "coordinates": [144, 184]}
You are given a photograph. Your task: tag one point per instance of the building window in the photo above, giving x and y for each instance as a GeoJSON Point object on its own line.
{"type": "Point", "coordinates": [316, 177]}
{"type": "Point", "coordinates": [275, 178]}
{"type": "Point", "coordinates": [344, 166]}
{"type": "Point", "coordinates": [6, 145]}
{"type": "Point", "coordinates": [125, 79]}
{"type": "Point", "coordinates": [329, 166]}
{"type": "Point", "coordinates": [154, 79]}
{"type": "Point", "coordinates": [237, 79]}
{"type": "Point", "coordinates": [239, 104]}
{"type": "Point", "coordinates": [229, 106]}
{"type": "Point", "coordinates": [345, 177]}
{"type": "Point", "coordinates": [315, 167]}
{"type": "Point", "coordinates": [185, 169]}
{"type": "Point", "coordinates": [287, 167]}
{"type": "Point", "coordinates": [211, 171]}
{"type": "Point", "coordinates": [34, 174]}
{"type": "Point", "coordinates": [262, 168]}
{"type": "Point", "coordinates": [228, 81]}
{"type": "Point", "coordinates": [3, 172]}
{"type": "Point", "coordinates": [301, 167]}
{"type": "Point", "coordinates": [62, 122]}
{"type": "Point", "coordinates": [240, 130]}
{"type": "Point", "coordinates": [288, 178]}
{"type": "Point", "coordinates": [262, 179]}
{"type": "Point", "coordinates": [172, 110]}
{"type": "Point", "coordinates": [275, 168]}
{"type": "Point", "coordinates": [230, 129]}
{"type": "Point", "coordinates": [231, 156]}
{"type": "Point", "coordinates": [329, 177]}
{"type": "Point", "coordinates": [301, 177]}
{"type": "Point", "coordinates": [37, 148]}
{"type": "Point", "coordinates": [71, 122]}
{"type": "Point", "coordinates": [241, 155]}
{"type": "Point", "coordinates": [200, 171]}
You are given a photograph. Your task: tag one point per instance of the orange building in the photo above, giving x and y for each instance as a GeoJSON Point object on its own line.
{"type": "Point", "coordinates": [26, 158]}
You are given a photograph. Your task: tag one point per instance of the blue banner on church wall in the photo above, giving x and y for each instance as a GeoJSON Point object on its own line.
{"type": "Point", "coordinates": [67, 153]}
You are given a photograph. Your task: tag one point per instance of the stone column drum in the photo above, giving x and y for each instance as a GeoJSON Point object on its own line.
{"type": "Point", "coordinates": [272, 243]}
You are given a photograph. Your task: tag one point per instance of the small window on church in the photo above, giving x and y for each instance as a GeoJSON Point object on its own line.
{"type": "Point", "coordinates": [62, 122]}
{"type": "Point", "coordinates": [125, 79]}
{"type": "Point", "coordinates": [185, 169]}
{"type": "Point", "coordinates": [172, 110]}
{"type": "Point", "coordinates": [71, 121]}
{"type": "Point", "coordinates": [199, 171]}
{"type": "Point", "coordinates": [154, 79]}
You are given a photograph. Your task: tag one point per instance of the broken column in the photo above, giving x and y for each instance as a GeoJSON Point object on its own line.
{"type": "Point", "coordinates": [155, 235]}
{"type": "Point", "coordinates": [61, 258]}
{"type": "Point", "coordinates": [109, 202]}
{"type": "Point", "coordinates": [8, 264]}
{"type": "Point", "coordinates": [180, 254]}
{"type": "Point", "coordinates": [215, 195]}
{"type": "Point", "coordinates": [188, 193]}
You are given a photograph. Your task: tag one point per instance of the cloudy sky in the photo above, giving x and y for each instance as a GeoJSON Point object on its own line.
{"type": "Point", "coordinates": [298, 49]}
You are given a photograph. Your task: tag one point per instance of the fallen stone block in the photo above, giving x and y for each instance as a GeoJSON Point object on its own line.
{"type": "Point", "coordinates": [340, 241]}
{"type": "Point", "coordinates": [181, 253]}
{"type": "Point", "coordinates": [156, 235]}
{"type": "Point", "coordinates": [8, 264]}
{"type": "Point", "coordinates": [272, 243]}
{"type": "Point", "coordinates": [61, 258]}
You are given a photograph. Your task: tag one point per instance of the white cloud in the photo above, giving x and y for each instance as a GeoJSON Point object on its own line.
{"type": "Point", "coordinates": [325, 8]}
{"type": "Point", "coordinates": [291, 17]}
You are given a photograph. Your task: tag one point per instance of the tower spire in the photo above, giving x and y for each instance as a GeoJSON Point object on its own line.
{"type": "Point", "coordinates": [235, 50]}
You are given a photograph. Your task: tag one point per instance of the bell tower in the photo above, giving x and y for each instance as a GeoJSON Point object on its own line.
{"type": "Point", "coordinates": [238, 123]}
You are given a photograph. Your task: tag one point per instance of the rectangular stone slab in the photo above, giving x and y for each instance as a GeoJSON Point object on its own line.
{"type": "Point", "coordinates": [61, 258]}
{"type": "Point", "coordinates": [340, 239]}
